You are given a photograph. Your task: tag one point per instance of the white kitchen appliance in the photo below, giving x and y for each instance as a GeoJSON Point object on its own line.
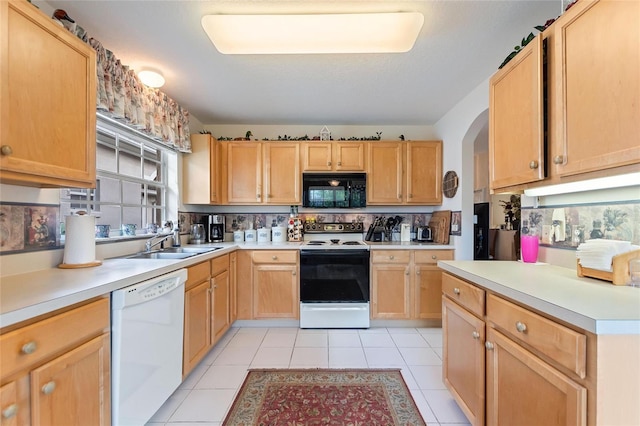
{"type": "Point", "coordinates": [334, 276]}
{"type": "Point", "coordinates": [147, 322]}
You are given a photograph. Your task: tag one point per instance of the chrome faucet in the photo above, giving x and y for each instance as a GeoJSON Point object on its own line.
{"type": "Point", "coordinates": [150, 243]}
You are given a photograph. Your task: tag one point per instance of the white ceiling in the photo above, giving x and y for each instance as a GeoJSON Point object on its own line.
{"type": "Point", "coordinates": [461, 44]}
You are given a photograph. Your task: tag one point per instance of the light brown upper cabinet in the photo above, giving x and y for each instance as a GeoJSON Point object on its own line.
{"type": "Point", "coordinates": [588, 73]}
{"type": "Point", "coordinates": [597, 70]}
{"type": "Point", "coordinates": [47, 101]}
{"type": "Point", "coordinates": [201, 171]}
{"type": "Point", "coordinates": [261, 173]}
{"type": "Point", "coordinates": [516, 114]}
{"type": "Point", "coordinates": [338, 156]}
{"type": "Point", "coordinates": [404, 173]}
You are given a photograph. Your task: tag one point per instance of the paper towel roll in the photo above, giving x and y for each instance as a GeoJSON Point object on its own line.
{"type": "Point", "coordinates": [80, 243]}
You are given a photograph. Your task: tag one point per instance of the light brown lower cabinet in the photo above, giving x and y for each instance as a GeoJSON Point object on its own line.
{"type": "Point", "coordinates": [407, 284]}
{"type": "Point", "coordinates": [207, 309]}
{"type": "Point", "coordinates": [523, 389]}
{"type": "Point", "coordinates": [56, 371]}
{"type": "Point", "coordinates": [275, 284]}
{"type": "Point", "coordinates": [535, 369]}
{"type": "Point", "coordinates": [464, 359]}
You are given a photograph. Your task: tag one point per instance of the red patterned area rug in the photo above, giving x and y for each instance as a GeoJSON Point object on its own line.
{"type": "Point", "coordinates": [324, 397]}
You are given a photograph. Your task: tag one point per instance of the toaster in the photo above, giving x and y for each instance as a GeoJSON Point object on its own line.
{"type": "Point", "coordinates": [424, 234]}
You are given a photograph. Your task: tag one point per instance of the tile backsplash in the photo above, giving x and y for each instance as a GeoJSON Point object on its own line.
{"type": "Point", "coordinates": [568, 226]}
{"type": "Point", "coordinates": [243, 221]}
{"type": "Point", "coordinates": [29, 227]}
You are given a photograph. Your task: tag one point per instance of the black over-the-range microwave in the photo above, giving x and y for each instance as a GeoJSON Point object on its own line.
{"type": "Point", "coordinates": [334, 190]}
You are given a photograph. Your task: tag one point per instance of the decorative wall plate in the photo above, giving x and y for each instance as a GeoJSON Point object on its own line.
{"type": "Point", "coordinates": [450, 184]}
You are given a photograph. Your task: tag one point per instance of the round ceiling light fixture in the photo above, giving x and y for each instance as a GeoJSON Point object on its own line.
{"type": "Point", "coordinates": [151, 78]}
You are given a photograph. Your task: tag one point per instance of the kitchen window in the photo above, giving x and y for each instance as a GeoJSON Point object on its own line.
{"type": "Point", "coordinates": [131, 181]}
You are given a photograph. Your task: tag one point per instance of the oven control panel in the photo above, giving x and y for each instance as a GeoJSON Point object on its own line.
{"type": "Point", "coordinates": [311, 227]}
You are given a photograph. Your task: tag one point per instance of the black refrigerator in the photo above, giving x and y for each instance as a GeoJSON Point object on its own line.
{"type": "Point", "coordinates": [481, 231]}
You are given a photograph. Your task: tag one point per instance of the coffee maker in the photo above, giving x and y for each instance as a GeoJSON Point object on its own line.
{"type": "Point", "coordinates": [216, 228]}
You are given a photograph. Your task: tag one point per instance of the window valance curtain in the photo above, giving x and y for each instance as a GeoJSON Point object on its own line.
{"type": "Point", "coordinates": [121, 95]}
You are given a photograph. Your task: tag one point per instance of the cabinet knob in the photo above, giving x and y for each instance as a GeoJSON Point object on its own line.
{"type": "Point", "coordinates": [433, 256]}
{"type": "Point", "coordinates": [269, 195]}
{"type": "Point", "coordinates": [418, 272]}
{"type": "Point", "coordinates": [410, 195]}
{"type": "Point", "coordinates": [488, 345]}
{"type": "Point", "coordinates": [48, 388]}
{"type": "Point", "coordinates": [456, 290]}
{"type": "Point", "coordinates": [10, 411]}
{"type": "Point", "coordinates": [400, 196]}
{"type": "Point", "coordinates": [339, 163]}
{"type": "Point", "coordinates": [293, 273]}
{"type": "Point", "coordinates": [391, 257]}
{"type": "Point", "coordinates": [258, 196]}
{"type": "Point", "coordinates": [558, 159]}
{"type": "Point", "coordinates": [533, 165]}
{"type": "Point", "coordinates": [274, 257]}
{"type": "Point", "coordinates": [6, 150]}
{"type": "Point", "coordinates": [475, 335]}
{"type": "Point", "coordinates": [328, 163]}
{"type": "Point", "coordinates": [406, 272]}
{"type": "Point", "coordinates": [29, 348]}
{"type": "Point", "coordinates": [521, 327]}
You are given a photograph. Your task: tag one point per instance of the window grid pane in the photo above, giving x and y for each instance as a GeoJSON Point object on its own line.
{"type": "Point", "coordinates": [125, 168]}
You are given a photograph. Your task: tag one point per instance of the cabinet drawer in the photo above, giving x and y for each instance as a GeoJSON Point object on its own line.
{"type": "Point", "coordinates": [465, 294]}
{"type": "Point", "coordinates": [219, 264]}
{"type": "Point", "coordinates": [275, 256]}
{"type": "Point", "coordinates": [27, 346]}
{"type": "Point", "coordinates": [432, 256]}
{"type": "Point", "coordinates": [390, 256]}
{"type": "Point", "coordinates": [556, 342]}
{"type": "Point", "coordinates": [197, 273]}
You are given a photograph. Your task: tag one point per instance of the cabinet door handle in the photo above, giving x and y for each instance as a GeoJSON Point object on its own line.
{"type": "Point", "coordinates": [48, 388]}
{"type": "Point", "coordinates": [521, 327]}
{"type": "Point", "coordinates": [456, 290]}
{"type": "Point", "coordinates": [29, 348]}
{"type": "Point", "coordinates": [558, 159]}
{"type": "Point", "coordinates": [475, 335]}
{"type": "Point", "coordinates": [274, 257]}
{"type": "Point", "coordinates": [533, 165]}
{"type": "Point", "coordinates": [488, 345]}
{"type": "Point", "coordinates": [10, 411]}
{"type": "Point", "coordinates": [6, 150]}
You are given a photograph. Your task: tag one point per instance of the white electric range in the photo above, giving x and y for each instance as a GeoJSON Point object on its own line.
{"type": "Point", "coordinates": [334, 276]}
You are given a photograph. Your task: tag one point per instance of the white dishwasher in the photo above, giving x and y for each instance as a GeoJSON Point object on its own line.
{"type": "Point", "coordinates": [147, 322]}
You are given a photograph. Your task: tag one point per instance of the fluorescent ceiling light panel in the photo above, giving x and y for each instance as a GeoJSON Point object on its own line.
{"type": "Point", "coordinates": [323, 33]}
{"type": "Point", "coordinates": [618, 181]}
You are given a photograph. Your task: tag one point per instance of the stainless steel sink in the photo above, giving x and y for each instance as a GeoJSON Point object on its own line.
{"type": "Point", "coordinates": [173, 253]}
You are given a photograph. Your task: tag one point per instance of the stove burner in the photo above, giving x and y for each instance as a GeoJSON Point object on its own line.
{"type": "Point", "coordinates": [334, 241]}
{"type": "Point", "coordinates": [316, 243]}
{"type": "Point", "coordinates": [351, 243]}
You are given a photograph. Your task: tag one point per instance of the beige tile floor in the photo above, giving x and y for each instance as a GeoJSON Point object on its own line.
{"type": "Point", "coordinates": [206, 395]}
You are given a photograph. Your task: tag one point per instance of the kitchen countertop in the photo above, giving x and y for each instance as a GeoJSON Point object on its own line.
{"type": "Point", "coordinates": [590, 304]}
{"type": "Point", "coordinates": [28, 295]}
